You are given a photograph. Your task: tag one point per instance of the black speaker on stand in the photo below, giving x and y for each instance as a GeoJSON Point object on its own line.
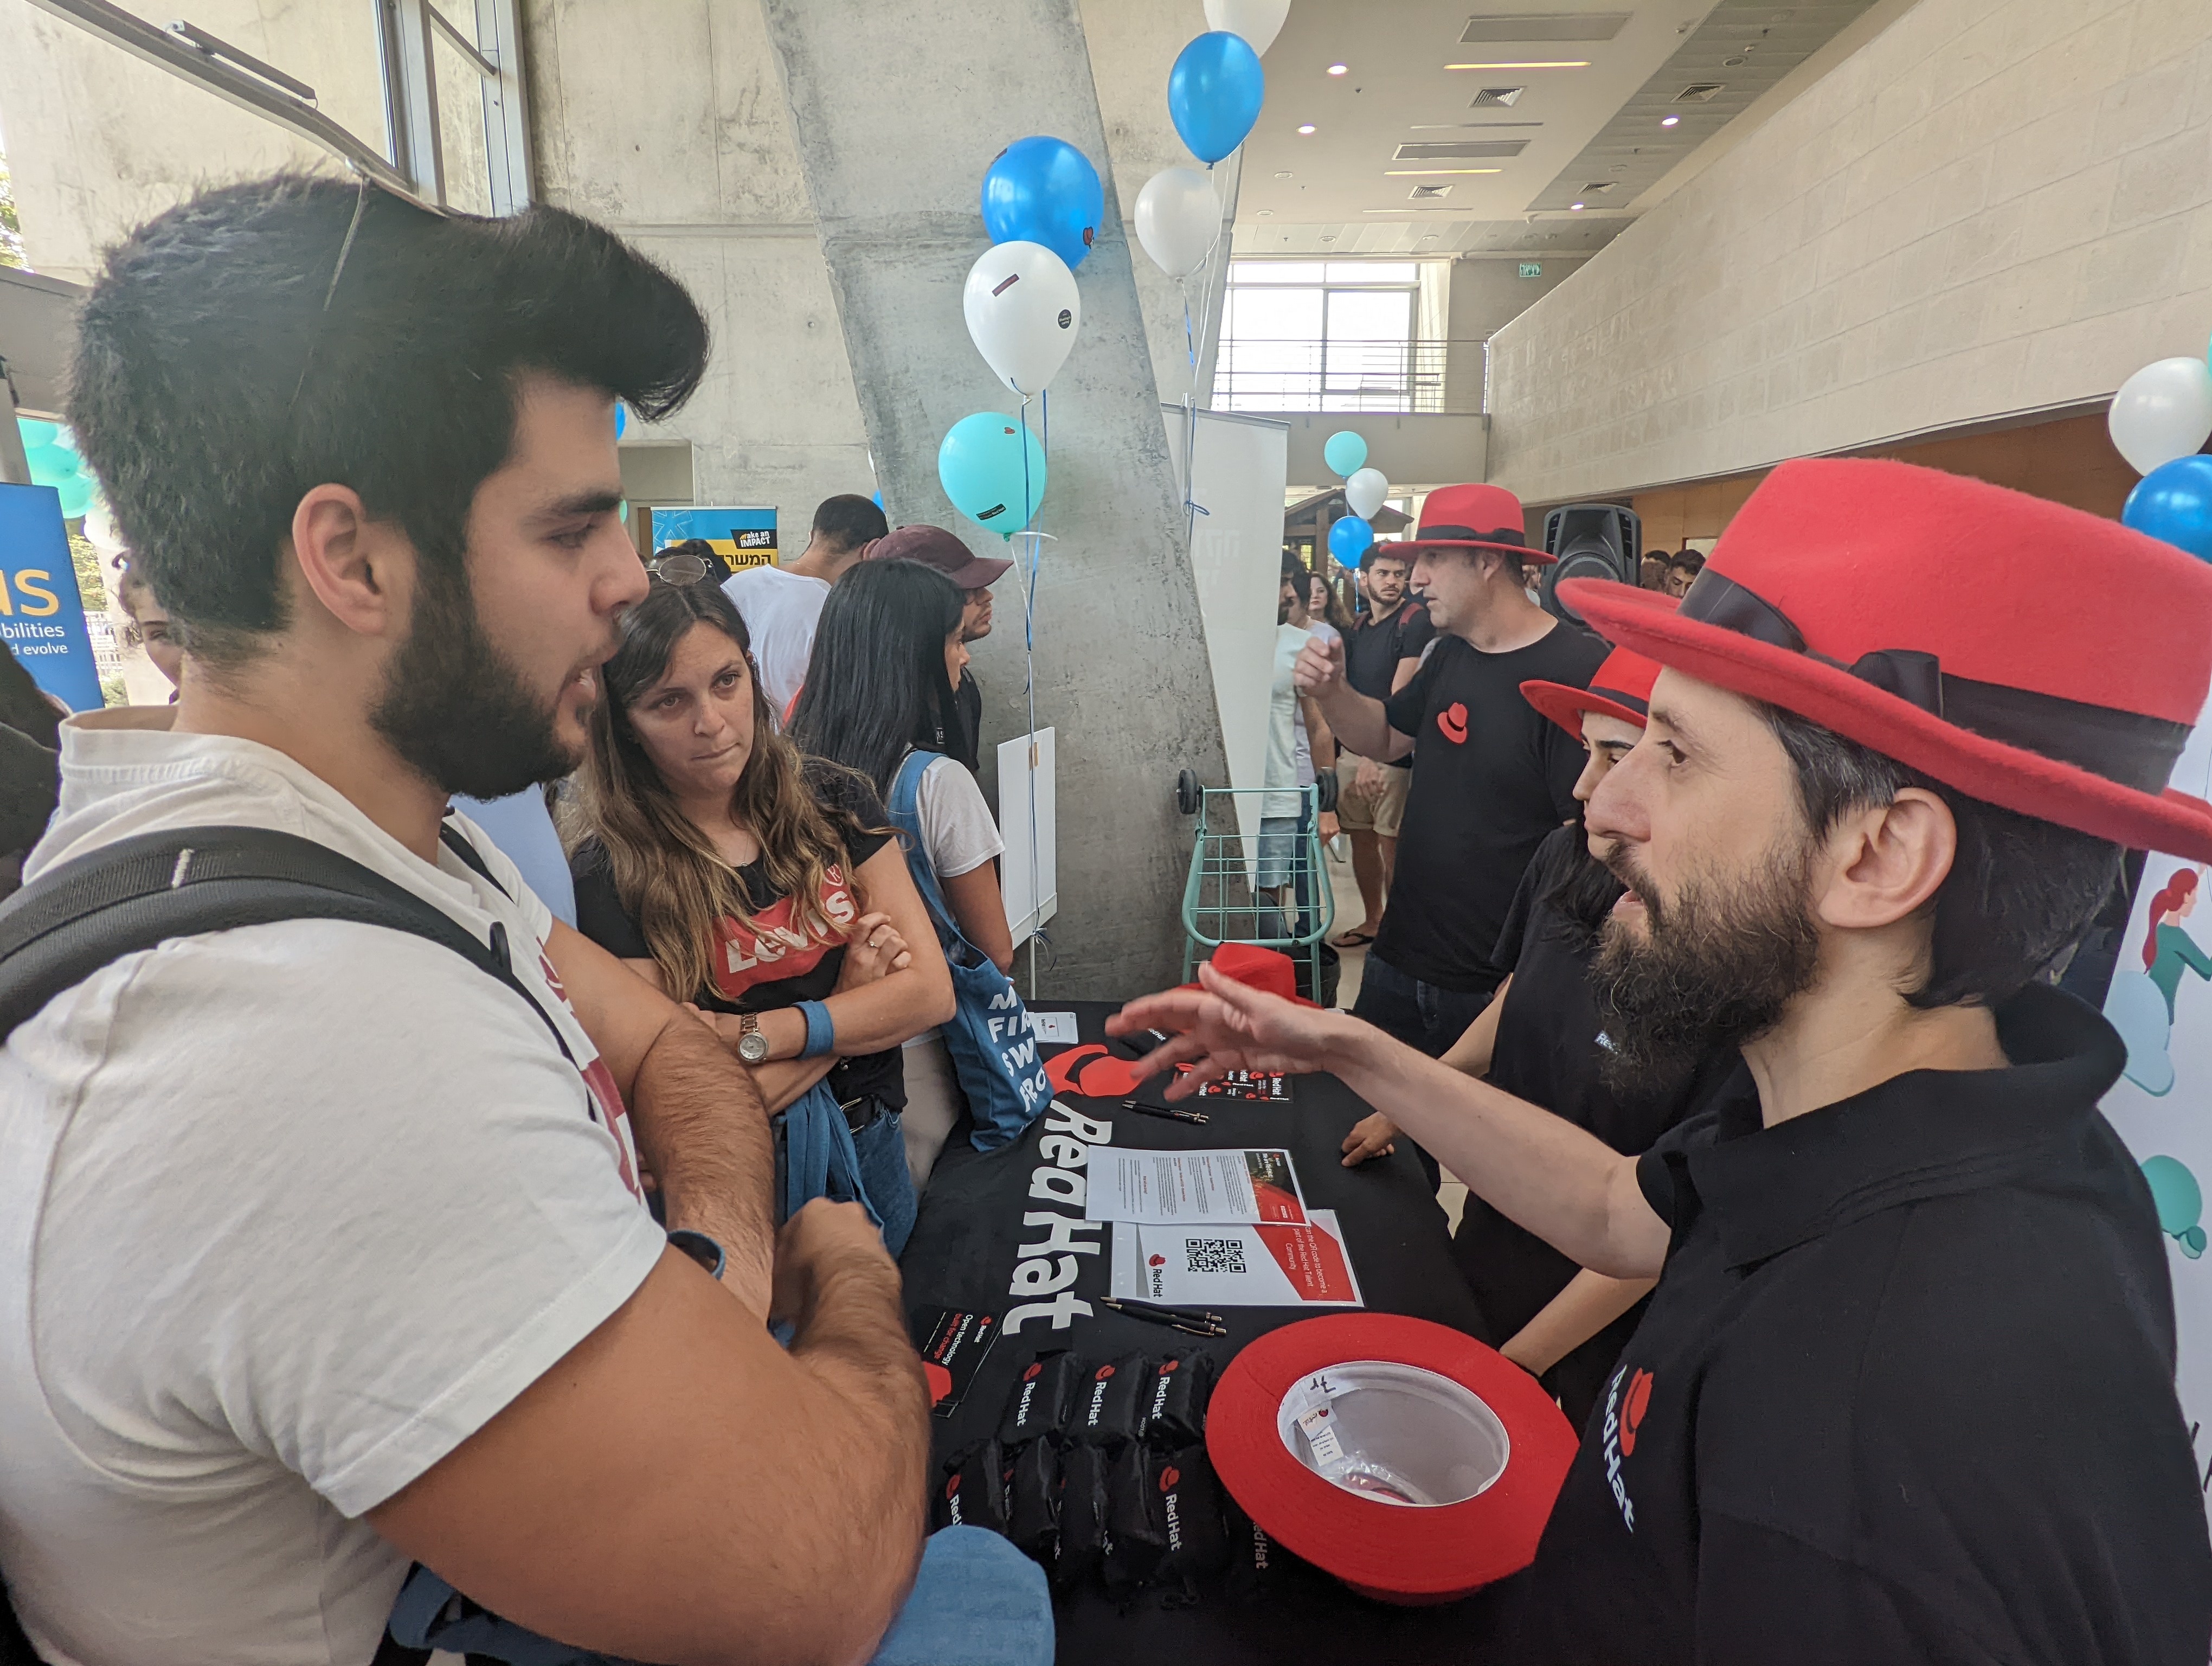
{"type": "Point", "coordinates": [1588, 541]}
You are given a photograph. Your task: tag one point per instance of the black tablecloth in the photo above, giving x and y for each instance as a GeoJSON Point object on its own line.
{"type": "Point", "coordinates": [962, 1254]}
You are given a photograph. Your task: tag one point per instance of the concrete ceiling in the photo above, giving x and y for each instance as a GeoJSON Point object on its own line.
{"type": "Point", "coordinates": [1348, 187]}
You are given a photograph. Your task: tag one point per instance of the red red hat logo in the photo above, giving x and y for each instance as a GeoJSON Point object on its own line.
{"type": "Point", "coordinates": [1092, 1072]}
{"type": "Point", "coordinates": [1168, 1365]}
{"type": "Point", "coordinates": [1452, 722]}
{"type": "Point", "coordinates": [1632, 1409]}
{"type": "Point", "coordinates": [1168, 1477]}
{"type": "Point", "coordinates": [1157, 1261]}
{"type": "Point", "coordinates": [1031, 1375]}
{"type": "Point", "coordinates": [952, 1488]}
{"type": "Point", "coordinates": [1104, 1371]}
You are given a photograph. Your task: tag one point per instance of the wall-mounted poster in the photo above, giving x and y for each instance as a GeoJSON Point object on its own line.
{"type": "Point", "coordinates": [2161, 1002]}
{"type": "Point", "coordinates": [744, 537]}
{"type": "Point", "coordinates": [41, 612]}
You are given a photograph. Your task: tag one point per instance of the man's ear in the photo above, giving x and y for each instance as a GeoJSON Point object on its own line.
{"type": "Point", "coordinates": [362, 571]}
{"type": "Point", "coordinates": [1887, 862]}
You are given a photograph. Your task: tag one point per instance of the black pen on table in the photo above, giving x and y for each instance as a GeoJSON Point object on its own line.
{"type": "Point", "coordinates": [1196, 1118]}
{"type": "Point", "coordinates": [1188, 1321]}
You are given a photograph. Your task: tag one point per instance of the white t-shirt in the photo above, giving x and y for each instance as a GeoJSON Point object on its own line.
{"type": "Point", "coordinates": [958, 833]}
{"type": "Point", "coordinates": [780, 610]}
{"type": "Point", "coordinates": [286, 1213]}
{"type": "Point", "coordinates": [1283, 727]}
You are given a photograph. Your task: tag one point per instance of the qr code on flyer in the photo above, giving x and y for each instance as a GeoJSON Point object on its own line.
{"type": "Point", "coordinates": [1214, 1255]}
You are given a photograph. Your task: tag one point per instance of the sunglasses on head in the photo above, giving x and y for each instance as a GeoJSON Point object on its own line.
{"type": "Point", "coordinates": [678, 567]}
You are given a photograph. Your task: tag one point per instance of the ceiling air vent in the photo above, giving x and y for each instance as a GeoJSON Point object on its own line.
{"type": "Point", "coordinates": [1422, 193]}
{"type": "Point", "coordinates": [1595, 186]}
{"type": "Point", "coordinates": [1496, 98]}
{"type": "Point", "coordinates": [1701, 92]}
{"type": "Point", "coordinates": [1444, 150]}
{"type": "Point", "coordinates": [1544, 26]}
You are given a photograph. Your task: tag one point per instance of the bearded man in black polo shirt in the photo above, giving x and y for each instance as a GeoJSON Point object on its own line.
{"type": "Point", "coordinates": [1905, 1391]}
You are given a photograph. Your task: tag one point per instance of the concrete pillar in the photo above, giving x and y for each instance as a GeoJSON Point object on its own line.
{"type": "Point", "coordinates": [898, 107]}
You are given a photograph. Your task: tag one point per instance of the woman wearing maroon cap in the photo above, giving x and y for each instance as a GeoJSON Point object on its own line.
{"type": "Point", "coordinates": [1905, 1391]}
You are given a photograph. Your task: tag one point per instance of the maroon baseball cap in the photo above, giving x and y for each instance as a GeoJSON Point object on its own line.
{"type": "Point", "coordinates": [932, 546]}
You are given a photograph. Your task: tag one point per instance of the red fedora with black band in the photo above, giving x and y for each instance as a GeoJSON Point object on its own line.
{"type": "Point", "coordinates": [2027, 654]}
{"type": "Point", "coordinates": [1471, 518]}
{"type": "Point", "coordinates": [1621, 689]}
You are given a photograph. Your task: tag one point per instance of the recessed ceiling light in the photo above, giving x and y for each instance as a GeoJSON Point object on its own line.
{"type": "Point", "coordinates": [1562, 64]}
{"type": "Point", "coordinates": [1328, 239]}
{"type": "Point", "coordinates": [1575, 207]}
{"type": "Point", "coordinates": [1285, 174]}
{"type": "Point", "coordinates": [1668, 121]}
{"type": "Point", "coordinates": [1266, 213]}
{"type": "Point", "coordinates": [1340, 69]}
{"type": "Point", "coordinates": [1307, 128]}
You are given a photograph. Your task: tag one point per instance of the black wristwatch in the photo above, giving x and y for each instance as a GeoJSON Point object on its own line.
{"type": "Point", "coordinates": [700, 1248]}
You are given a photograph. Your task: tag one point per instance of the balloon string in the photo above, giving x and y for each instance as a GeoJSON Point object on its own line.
{"type": "Point", "coordinates": [1034, 535]}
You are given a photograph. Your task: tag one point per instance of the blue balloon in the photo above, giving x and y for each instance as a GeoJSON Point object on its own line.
{"type": "Point", "coordinates": [1215, 94]}
{"type": "Point", "coordinates": [1346, 452]}
{"type": "Point", "coordinates": [76, 496]}
{"type": "Point", "coordinates": [877, 499]}
{"type": "Point", "coordinates": [622, 418]}
{"type": "Point", "coordinates": [36, 433]}
{"type": "Point", "coordinates": [2174, 501]}
{"type": "Point", "coordinates": [981, 466]}
{"type": "Point", "coordinates": [1348, 539]}
{"type": "Point", "coordinates": [1043, 190]}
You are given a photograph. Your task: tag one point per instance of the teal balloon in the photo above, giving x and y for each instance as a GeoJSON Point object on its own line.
{"type": "Point", "coordinates": [76, 496]}
{"type": "Point", "coordinates": [2173, 502]}
{"type": "Point", "coordinates": [1348, 540]}
{"type": "Point", "coordinates": [51, 464]}
{"type": "Point", "coordinates": [1215, 94]}
{"type": "Point", "coordinates": [1346, 452]}
{"type": "Point", "coordinates": [981, 466]}
{"type": "Point", "coordinates": [36, 433]}
{"type": "Point", "coordinates": [2173, 1189]}
{"type": "Point", "coordinates": [1043, 190]}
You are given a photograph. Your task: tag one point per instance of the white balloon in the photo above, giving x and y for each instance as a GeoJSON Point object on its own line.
{"type": "Point", "coordinates": [1258, 20]}
{"type": "Point", "coordinates": [2161, 412]}
{"type": "Point", "coordinates": [1023, 311]}
{"type": "Point", "coordinates": [1364, 490]}
{"type": "Point", "coordinates": [1178, 218]}
{"type": "Point", "coordinates": [100, 529]}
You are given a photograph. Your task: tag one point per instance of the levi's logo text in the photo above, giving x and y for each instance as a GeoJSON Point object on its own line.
{"type": "Point", "coordinates": [777, 945]}
{"type": "Point", "coordinates": [1451, 723]}
{"type": "Point", "coordinates": [1624, 1415]}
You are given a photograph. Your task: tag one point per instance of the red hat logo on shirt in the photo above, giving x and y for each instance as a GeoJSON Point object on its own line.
{"type": "Point", "coordinates": [1168, 1477]}
{"type": "Point", "coordinates": [1452, 722]}
{"type": "Point", "coordinates": [1632, 1409]}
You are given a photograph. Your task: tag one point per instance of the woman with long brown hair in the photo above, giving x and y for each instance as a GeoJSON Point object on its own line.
{"type": "Point", "coordinates": [765, 889]}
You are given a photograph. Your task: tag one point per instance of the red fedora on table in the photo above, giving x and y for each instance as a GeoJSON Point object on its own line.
{"type": "Point", "coordinates": [2036, 657]}
{"type": "Point", "coordinates": [1621, 689]}
{"type": "Point", "coordinates": [1471, 518]}
{"type": "Point", "coordinates": [1405, 1457]}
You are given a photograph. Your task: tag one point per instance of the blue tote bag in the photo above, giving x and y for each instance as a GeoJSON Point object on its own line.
{"type": "Point", "coordinates": [995, 1053]}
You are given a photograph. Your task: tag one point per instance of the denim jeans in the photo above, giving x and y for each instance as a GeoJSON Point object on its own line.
{"type": "Point", "coordinates": [976, 1602]}
{"type": "Point", "coordinates": [1422, 1015]}
{"type": "Point", "coordinates": [881, 1148]}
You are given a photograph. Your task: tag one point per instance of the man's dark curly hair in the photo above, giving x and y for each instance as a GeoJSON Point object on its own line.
{"type": "Point", "coordinates": [227, 363]}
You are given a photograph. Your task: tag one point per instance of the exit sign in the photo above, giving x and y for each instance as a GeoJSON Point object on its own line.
{"type": "Point", "coordinates": [1532, 269]}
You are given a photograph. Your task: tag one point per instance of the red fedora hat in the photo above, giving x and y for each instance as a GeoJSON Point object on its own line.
{"type": "Point", "coordinates": [1471, 518]}
{"type": "Point", "coordinates": [2033, 656]}
{"type": "Point", "coordinates": [1621, 689]}
{"type": "Point", "coordinates": [1408, 1459]}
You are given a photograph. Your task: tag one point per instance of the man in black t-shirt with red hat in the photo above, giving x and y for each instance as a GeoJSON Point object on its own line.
{"type": "Point", "coordinates": [1491, 778]}
{"type": "Point", "coordinates": [1905, 1391]}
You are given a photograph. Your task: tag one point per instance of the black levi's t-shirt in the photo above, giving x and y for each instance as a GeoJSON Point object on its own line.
{"type": "Point", "coordinates": [1490, 778]}
{"type": "Point", "coordinates": [1549, 1049]}
{"type": "Point", "coordinates": [1372, 652]}
{"type": "Point", "coordinates": [1904, 1392]}
{"type": "Point", "coordinates": [778, 959]}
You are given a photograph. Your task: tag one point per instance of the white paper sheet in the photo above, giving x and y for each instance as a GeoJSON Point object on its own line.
{"type": "Point", "coordinates": [1240, 1265]}
{"type": "Point", "coordinates": [1055, 1028]}
{"type": "Point", "coordinates": [1191, 1188]}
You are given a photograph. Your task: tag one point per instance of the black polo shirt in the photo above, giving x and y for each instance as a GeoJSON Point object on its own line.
{"type": "Point", "coordinates": [1904, 1392]}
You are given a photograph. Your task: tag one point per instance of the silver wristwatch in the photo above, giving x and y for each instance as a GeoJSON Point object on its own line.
{"type": "Point", "coordinates": [752, 1046]}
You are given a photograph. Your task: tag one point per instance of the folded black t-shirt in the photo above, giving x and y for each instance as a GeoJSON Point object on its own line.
{"type": "Point", "coordinates": [1490, 779]}
{"type": "Point", "coordinates": [777, 959]}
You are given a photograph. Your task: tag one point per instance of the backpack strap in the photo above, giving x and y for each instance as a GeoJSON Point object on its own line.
{"type": "Point", "coordinates": [139, 892]}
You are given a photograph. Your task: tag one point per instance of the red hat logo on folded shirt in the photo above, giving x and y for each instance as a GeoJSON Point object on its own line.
{"type": "Point", "coordinates": [1036, 1367]}
{"type": "Point", "coordinates": [1090, 1071]}
{"type": "Point", "coordinates": [1168, 1477]}
{"type": "Point", "coordinates": [1452, 723]}
{"type": "Point", "coordinates": [1631, 1410]}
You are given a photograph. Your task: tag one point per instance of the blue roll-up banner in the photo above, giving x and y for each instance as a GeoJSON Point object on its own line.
{"type": "Point", "coordinates": [41, 614]}
{"type": "Point", "coordinates": [744, 537]}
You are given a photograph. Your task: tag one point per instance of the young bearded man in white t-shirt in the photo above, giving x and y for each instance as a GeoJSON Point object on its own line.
{"type": "Point", "coordinates": [317, 1256]}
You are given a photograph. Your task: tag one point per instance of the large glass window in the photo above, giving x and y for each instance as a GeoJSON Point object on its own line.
{"type": "Point", "coordinates": [1338, 335]}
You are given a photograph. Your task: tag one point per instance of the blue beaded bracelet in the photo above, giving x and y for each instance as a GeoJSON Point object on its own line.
{"type": "Point", "coordinates": [821, 1028]}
